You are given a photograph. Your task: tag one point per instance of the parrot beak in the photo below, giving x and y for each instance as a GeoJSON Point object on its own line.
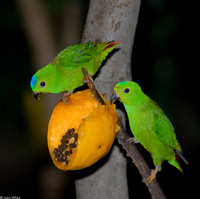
{"type": "Point", "coordinates": [114, 97]}
{"type": "Point", "coordinates": [36, 95]}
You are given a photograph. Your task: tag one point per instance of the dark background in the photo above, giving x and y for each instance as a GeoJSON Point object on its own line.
{"type": "Point", "coordinates": [165, 62]}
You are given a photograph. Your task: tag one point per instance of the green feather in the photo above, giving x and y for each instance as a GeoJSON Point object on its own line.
{"type": "Point", "coordinates": [64, 72]}
{"type": "Point", "coordinates": [149, 124]}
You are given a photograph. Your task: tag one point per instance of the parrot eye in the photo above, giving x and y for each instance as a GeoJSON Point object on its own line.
{"type": "Point", "coordinates": [126, 90]}
{"type": "Point", "coordinates": [42, 84]}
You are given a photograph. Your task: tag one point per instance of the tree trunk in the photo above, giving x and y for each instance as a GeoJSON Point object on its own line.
{"type": "Point", "coordinates": [106, 21]}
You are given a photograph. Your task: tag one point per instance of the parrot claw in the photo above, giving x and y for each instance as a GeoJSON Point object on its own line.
{"type": "Point", "coordinates": [65, 97]}
{"type": "Point", "coordinates": [133, 139]}
{"type": "Point", "coordinates": [153, 175]}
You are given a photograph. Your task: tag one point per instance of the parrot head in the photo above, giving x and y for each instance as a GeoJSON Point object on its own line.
{"type": "Point", "coordinates": [43, 81]}
{"type": "Point", "coordinates": [127, 92]}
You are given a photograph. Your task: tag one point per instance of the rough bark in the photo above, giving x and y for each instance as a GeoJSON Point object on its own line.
{"type": "Point", "coordinates": [113, 20]}
{"type": "Point", "coordinates": [106, 21]}
{"type": "Point", "coordinates": [129, 147]}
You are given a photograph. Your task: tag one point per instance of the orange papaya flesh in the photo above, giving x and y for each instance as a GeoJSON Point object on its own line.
{"type": "Point", "coordinates": [81, 133]}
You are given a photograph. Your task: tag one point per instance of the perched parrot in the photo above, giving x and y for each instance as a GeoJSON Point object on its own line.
{"type": "Point", "coordinates": [149, 125]}
{"type": "Point", "coordinates": [64, 72]}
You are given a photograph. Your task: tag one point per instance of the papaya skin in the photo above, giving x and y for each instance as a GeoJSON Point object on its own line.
{"type": "Point", "coordinates": [94, 125]}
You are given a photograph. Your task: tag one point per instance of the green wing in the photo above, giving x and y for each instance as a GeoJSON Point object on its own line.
{"type": "Point", "coordinates": [163, 129]}
{"type": "Point", "coordinates": [78, 54]}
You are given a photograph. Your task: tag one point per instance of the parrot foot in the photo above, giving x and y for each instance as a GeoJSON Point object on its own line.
{"type": "Point", "coordinates": [153, 174]}
{"type": "Point", "coordinates": [65, 96]}
{"type": "Point", "coordinates": [133, 139]}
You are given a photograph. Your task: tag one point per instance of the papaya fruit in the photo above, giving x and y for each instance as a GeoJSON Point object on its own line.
{"type": "Point", "coordinates": [81, 132]}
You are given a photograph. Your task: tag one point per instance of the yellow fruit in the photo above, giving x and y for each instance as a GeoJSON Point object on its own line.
{"type": "Point", "coordinates": [81, 133]}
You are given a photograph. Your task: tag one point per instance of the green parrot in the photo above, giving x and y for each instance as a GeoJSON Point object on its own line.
{"type": "Point", "coordinates": [149, 125]}
{"type": "Point", "coordinates": [64, 72]}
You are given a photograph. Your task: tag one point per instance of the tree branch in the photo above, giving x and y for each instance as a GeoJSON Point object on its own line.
{"type": "Point", "coordinates": [132, 151]}
{"type": "Point", "coordinates": [91, 86]}
{"type": "Point", "coordinates": [39, 30]}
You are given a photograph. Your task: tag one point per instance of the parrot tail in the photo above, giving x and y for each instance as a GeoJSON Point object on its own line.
{"type": "Point", "coordinates": [111, 44]}
{"type": "Point", "coordinates": [180, 155]}
{"type": "Point", "coordinates": [176, 161]}
{"type": "Point", "coordinates": [176, 164]}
